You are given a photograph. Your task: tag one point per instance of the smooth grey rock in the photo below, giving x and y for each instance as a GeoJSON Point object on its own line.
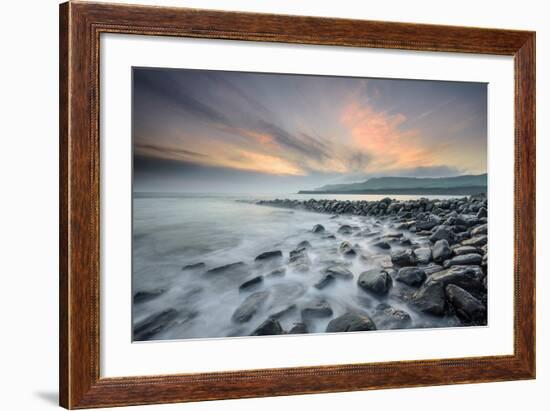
{"type": "Point", "coordinates": [345, 229]}
{"type": "Point", "coordinates": [325, 280]}
{"type": "Point", "coordinates": [466, 249]}
{"type": "Point", "coordinates": [317, 308]}
{"type": "Point", "coordinates": [250, 306]}
{"type": "Point", "coordinates": [423, 255]}
{"type": "Point", "coordinates": [469, 277]}
{"type": "Point", "coordinates": [347, 249]}
{"type": "Point", "coordinates": [144, 296]}
{"type": "Point", "coordinates": [476, 241]}
{"type": "Point", "coordinates": [390, 318]}
{"type": "Point", "coordinates": [269, 327]}
{"type": "Point", "coordinates": [351, 322]}
{"type": "Point", "coordinates": [196, 266]}
{"type": "Point", "coordinates": [441, 251]}
{"type": "Point", "coordinates": [339, 271]}
{"type": "Point", "coordinates": [412, 276]}
{"type": "Point", "coordinates": [443, 233]}
{"type": "Point", "coordinates": [466, 305]}
{"type": "Point", "coordinates": [384, 245]}
{"type": "Point", "coordinates": [376, 281]}
{"type": "Point", "coordinates": [299, 259]}
{"type": "Point", "coordinates": [464, 259]}
{"type": "Point", "coordinates": [403, 258]}
{"type": "Point", "coordinates": [228, 268]}
{"type": "Point", "coordinates": [430, 298]}
{"type": "Point", "coordinates": [482, 229]}
{"type": "Point", "coordinates": [318, 228]}
{"type": "Point", "coordinates": [268, 255]}
{"type": "Point", "coordinates": [152, 325]}
{"type": "Point", "coordinates": [298, 328]}
{"type": "Point", "coordinates": [252, 283]}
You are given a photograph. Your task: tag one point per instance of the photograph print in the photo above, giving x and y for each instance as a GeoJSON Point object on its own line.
{"type": "Point", "coordinates": [284, 204]}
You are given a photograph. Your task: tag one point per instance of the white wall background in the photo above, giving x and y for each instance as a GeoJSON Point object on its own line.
{"type": "Point", "coordinates": [28, 204]}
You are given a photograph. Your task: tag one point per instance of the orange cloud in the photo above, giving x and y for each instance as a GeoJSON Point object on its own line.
{"type": "Point", "coordinates": [379, 135]}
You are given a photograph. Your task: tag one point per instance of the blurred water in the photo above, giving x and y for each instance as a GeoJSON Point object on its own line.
{"type": "Point", "coordinates": [171, 231]}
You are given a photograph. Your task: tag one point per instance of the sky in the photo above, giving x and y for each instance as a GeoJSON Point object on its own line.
{"type": "Point", "coordinates": [220, 131]}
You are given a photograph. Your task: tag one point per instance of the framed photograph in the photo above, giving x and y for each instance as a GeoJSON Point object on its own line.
{"type": "Point", "coordinates": [259, 205]}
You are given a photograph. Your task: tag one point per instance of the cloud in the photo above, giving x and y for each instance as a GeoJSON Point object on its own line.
{"type": "Point", "coordinates": [167, 152]}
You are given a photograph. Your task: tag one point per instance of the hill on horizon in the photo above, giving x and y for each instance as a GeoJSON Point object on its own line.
{"type": "Point", "coordinates": [386, 183]}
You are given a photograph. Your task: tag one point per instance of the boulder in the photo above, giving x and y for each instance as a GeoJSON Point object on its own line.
{"type": "Point", "coordinates": [423, 255]}
{"type": "Point", "coordinates": [412, 276]}
{"type": "Point", "coordinates": [152, 325]}
{"type": "Point", "coordinates": [144, 296]}
{"type": "Point", "coordinates": [376, 281]}
{"type": "Point", "coordinates": [268, 255]}
{"type": "Point", "coordinates": [443, 232]}
{"type": "Point", "coordinates": [317, 308]}
{"type": "Point", "coordinates": [466, 249]}
{"type": "Point", "coordinates": [477, 241]}
{"type": "Point", "coordinates": [469, 277]}
{"type": "Point", "coordinates": [403, 258]}
{"type": "Point", "coordinates": [228, 268]}
{"type": "Point", "coordinates": [325, 280]}
{"type": "Point", "coordinates": [351, 322]}
{"type": "Point", "coordinates": [441, 251]}
{"type": "Point", "coordinates": [427, 222]}
{"type": "Point", "coordinates": [384, 245]}
{"type": "Point", "coordinates": [251, 283]}
{"type": "Point", "coordinates": [347, 249]}
{"type": "Point", "coordinates": [298, 328]}
{"type": "Point", "coordinates": [480, 229]}
{"type": "Point", "coordinates": [282, 311]}
{"type": "Point", "coordinates": [304, 244]}
{"type": "Point", "coordinates": [269, 327]}
{"type": "Point", "coordinates": [482, 212]}
{"type": "Point", "coordinates": [339, 271]}
{"type": "Point", "coordinates": [432, 268]}
{"type": "Point", "coordinates": [196, 266]}
{"type": "Point", "coordinates": [463, 259]}
{"type": "Point", "coordinates": [345, 229]}
{"type": "Point", "coordinates": [466, 305]}
{"type": "Point", "coordinates": [390, 318]}
{"type": "Point", "coordinates": [279, 272]}
{"type": "Point", "coordinates": [250, 306]}
{"type": "Point", "coordinates": [318, 228]}
{"type": "Point", "coordinates": [430, 298]}
{"type": "Point", "coordinates": [299, 259]}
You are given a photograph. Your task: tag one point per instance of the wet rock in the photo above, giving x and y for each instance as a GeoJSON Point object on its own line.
{"type": "Point", "coordinates": [423, 255]}
{"type": "Point", "coordinates": [463, 259]}
{"type": "Point", "coordinates": [482, 213]}
{"type": "Point", "coordinates": [196, 266]}
{"type": "Point", "coordinates": [384, 245]}
{"type": "Point", "coordinates": [443, 233]}
{"type": "Point", "coordinates": [144, 296]}
{"type": "Point", "coordinates": [412, 276]}
{"type": "Point", "coordinates": [268, 255]}
{"type": "Point", "coordinates": [469, 277]}
{"type": "Point", "coordinates": [376, 281]}
{"type": "Point", "coordinates": [466, 305]}
{"type": "Point", "coordinates": [298, 328]}
{"type": "Point", "coordinates": [345, 229]}
{"type": "Point", "coordinates": [476, 241]}
{"type": "Point", "coordinates": [317, 308]}
{"type": "Point", "coordinates": [318, 228]}
{"type": "Point", "coordinates": [482, 229]}
{"type": "Point", "coordinates": [254, 282]}
{"type": "Point", "coordinates": [403, 257]}
{"type": "Point", "coordinates": [432, 268]}
{"type": "Point", "coordinates": [430, 298]}
{"type": "Point", "coordinates": [279, 272]}
{"type": "Point", "coordinates": [269, 327]}
{"type": "Point", "coordinates": [228, 268]}
{"type": "Point", "coordinates": [304, 244]}
{"type": "Point", "coordinates": [347, 249]}
{"type": "Point", "coordinates": [383, 261]}
{"type": "Point", "coordinates": [299, 259]}
{"type": "Point", "coordinates": [349, 322]}
{"type": "Point", "coordinates": [339, 271]}
{"type": "Point", "coordinates": [282, 312]}
{"type": "Point", "coordinates": [466, 249]}
{"type": "Point", "coordinates": [325, 280]}
{"type": "Point", "coordinates": [427, 222]}
{"type": "Point", "coordinates": [441, 251]}
{"type": "Point", "coordinates": [390, 318]}
{"type": "Point", "coordinates": [152, 325]}
{"type": "Point", "coordinates": [250, 306]}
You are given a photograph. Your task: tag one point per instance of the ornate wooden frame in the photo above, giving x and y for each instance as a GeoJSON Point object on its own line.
{"type": "Point", "coordinates": [80, 27]}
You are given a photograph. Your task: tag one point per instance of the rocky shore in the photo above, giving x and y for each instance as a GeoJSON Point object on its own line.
{"type": "Point", "coordinates": [366, 265]}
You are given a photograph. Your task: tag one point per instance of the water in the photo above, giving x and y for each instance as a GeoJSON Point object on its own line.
{"type": "Point", "coordinates": [171, 231]}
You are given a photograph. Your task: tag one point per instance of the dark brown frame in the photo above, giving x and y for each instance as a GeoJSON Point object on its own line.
{"type": "Point", "coordinates": [80, 27]}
